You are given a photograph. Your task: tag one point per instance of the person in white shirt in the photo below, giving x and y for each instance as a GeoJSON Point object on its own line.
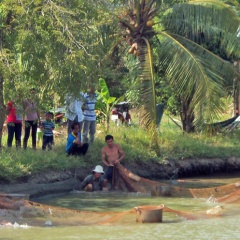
{"type": "Point", "coordinates": [74, 111]}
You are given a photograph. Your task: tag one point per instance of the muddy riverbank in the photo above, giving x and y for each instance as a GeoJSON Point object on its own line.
{"type": "Point", "coordinates": [57, 182]}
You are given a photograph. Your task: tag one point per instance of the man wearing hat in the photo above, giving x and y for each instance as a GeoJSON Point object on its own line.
{"type": "Point", "coordinates": [94, 181]}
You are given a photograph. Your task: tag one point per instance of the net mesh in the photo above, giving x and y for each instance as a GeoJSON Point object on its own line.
{"type": "Point", "coordinates": [125, 180]}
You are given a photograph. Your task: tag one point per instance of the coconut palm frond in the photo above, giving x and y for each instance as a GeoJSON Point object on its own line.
{"type": "Point", "coordinates": [127, 25]}
{"type": "Point", "coordinates": [202, 15]}
{"type": "Point", "coordinates": [231, 44]}
{"type": "Point", "coordinates": [147, 10]}
{"type": "Point", "coordinates": [196, 72]}
{"type": "Point", "coordinates": [202, 20]}
{"type": "Point", "coordinates": [215, 67]}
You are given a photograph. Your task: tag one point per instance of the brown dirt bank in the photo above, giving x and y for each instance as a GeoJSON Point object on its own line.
{"type": "Point", "coordinates": [56, 182]}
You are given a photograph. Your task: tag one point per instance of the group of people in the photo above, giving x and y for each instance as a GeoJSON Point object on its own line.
{"type": "Point", "coordinates": [79, 110]}
{"type": "Point", "coordinates": [121, 117]}
{"type": "Point", "coordinates": [14, 121]}
{"type": "Point", "coordinates": [112, 154]}
{"type": "Point", "coordinates": [81, 122]}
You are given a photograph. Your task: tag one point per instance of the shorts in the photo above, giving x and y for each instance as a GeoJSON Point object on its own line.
{"type": "Point", "coordinates": [108, 173]}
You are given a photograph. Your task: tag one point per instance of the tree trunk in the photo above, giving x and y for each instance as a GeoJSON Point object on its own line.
{"type": "Point", "coordinates": [187, 116]}
{"type": "Point", "coordinates": [236, 86]}
{"type": "Point", "coordinates": [2, 106]}
{"type": "Point", "coordinates": [2, 110]}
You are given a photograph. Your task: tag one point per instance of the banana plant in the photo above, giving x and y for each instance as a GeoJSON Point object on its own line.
{"type": "Point", "coordinates": [194, 72]}
{"type": "Point", "coordinates": [105, 103]}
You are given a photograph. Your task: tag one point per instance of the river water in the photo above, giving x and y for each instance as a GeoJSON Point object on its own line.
{"type": "Point", "coordinates": [172, 227]}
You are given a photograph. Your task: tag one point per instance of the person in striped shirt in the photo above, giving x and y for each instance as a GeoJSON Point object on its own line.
{"type": "Point", "coordinates": [47, 127]}
{"type": "Point", "coordinates": [89, 124]}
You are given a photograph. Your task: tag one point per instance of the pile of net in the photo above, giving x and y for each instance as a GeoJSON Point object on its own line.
{"type": "Point", "coordinates": [123, 180]}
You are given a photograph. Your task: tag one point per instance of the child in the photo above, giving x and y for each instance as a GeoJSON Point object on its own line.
{"type": "Point", "coordinates": [47, 127]}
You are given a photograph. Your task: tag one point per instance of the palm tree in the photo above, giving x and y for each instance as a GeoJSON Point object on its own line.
{"type": "Point", "coordinates": [194, 72]}
{"type": "Point", "coordinates": [137, 30]}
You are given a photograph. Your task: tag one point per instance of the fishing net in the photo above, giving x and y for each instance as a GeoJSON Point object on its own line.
{"type": "Point", "coordinates": [124, 180]}
{"type": "Point", "coordinates": [36, 214]}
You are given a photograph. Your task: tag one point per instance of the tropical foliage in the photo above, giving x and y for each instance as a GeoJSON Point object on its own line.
{"type": "Point", "coordinates": [55, 46]}
{"type": "Point", "coordinates": [105, 103]}
{"type": "Point", "coordinates": [196, 75]}
{"type": "Point", "coordinates": [60, 47]}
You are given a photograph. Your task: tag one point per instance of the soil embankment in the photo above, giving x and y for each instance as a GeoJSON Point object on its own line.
{"type": "Point", "coordinates": [56, 182]}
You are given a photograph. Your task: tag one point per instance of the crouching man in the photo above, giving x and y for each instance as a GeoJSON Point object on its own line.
{"type": "Point", "coordinates": [94, 181]}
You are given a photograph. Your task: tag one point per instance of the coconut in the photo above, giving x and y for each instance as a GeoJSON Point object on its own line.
{"type": "Point", "coordinates": [131, 50]}
{"type": "Point", "coordinates": [136, 52]}
{"type": "Point", "coordinates": [150, 23]}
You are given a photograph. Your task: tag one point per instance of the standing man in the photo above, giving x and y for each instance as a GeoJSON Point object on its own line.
{"type": "Point", "coordinates": [112, 153]}
{"type": "Point", "coordinates": [89, 125]}
{"type": "Point", "coordinates": [74, 111]}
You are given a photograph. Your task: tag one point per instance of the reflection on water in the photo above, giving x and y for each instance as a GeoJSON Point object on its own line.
{"type": "Point", "coordinates": [199, 230]}
{"type": "Point", "coordinates": [173, 227]}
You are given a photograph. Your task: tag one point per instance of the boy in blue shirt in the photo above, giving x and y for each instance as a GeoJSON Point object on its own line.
{"type": "Point", "coordinates": [74, 144]}
{"type": "Point", "coordinates": [47, 127]}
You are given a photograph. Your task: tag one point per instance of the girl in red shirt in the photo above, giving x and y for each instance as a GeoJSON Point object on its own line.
{"type": "Point", "coordinates": [14, 124]}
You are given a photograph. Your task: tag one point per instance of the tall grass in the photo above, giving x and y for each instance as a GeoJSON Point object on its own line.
{"type": "Point", "coordinates": [15, 164]}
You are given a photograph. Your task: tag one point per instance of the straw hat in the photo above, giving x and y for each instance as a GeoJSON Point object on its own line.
{"type": "Point", "coordinates": [98, 169]}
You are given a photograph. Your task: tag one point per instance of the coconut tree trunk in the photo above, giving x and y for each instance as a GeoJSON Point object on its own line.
{"type": "Point", "coordinates": [187, 116]}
